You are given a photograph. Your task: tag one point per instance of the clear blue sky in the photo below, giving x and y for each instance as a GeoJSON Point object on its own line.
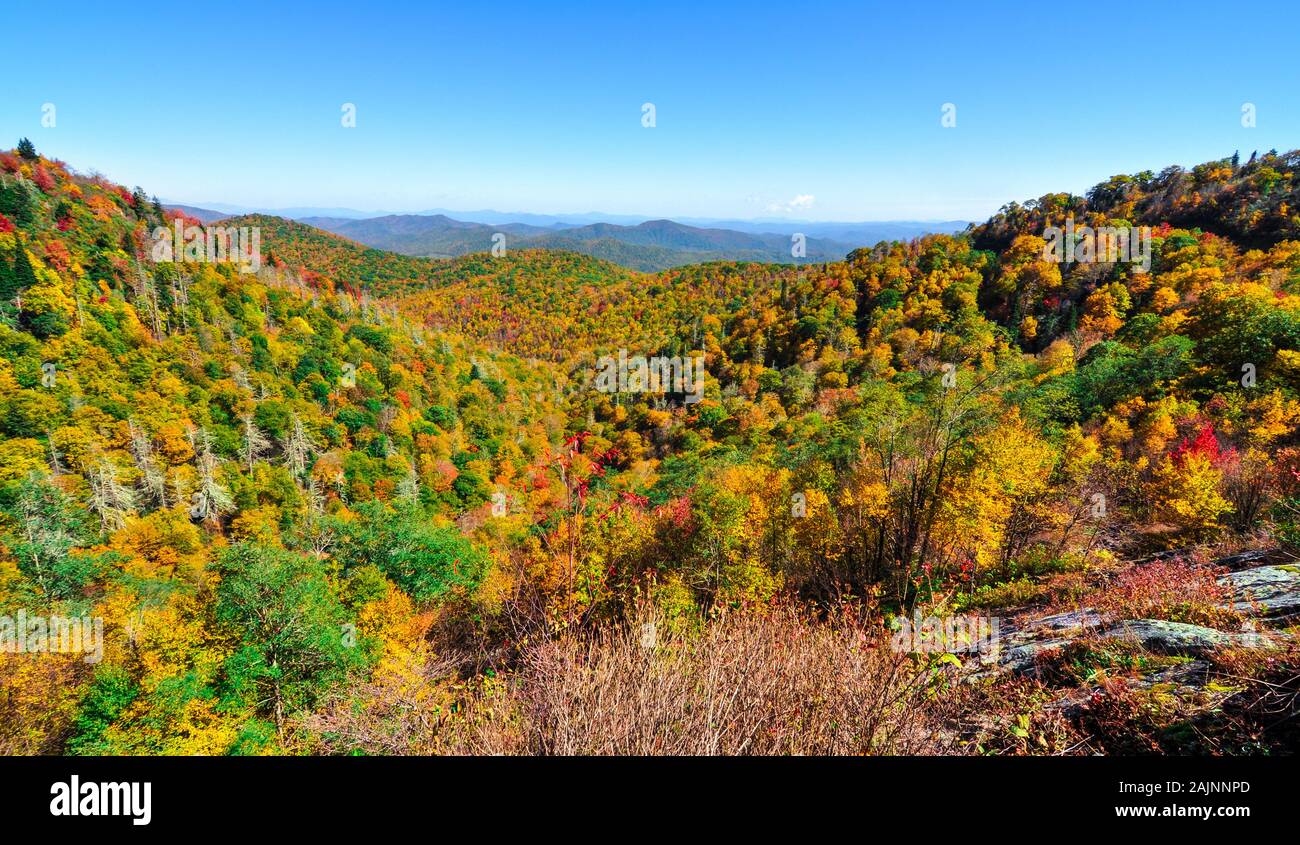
{"type": "Point", "coordinates": [537, 106]}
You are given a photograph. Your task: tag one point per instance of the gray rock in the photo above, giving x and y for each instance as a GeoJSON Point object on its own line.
{"type": "Point", "coordinates": [1180, 637]}
{"type": "Point", "coordinates": [1272, 590]}
{"type": "Point", "coordinates": [1185, 677]}
{"type": "Point", "coordinates": [1074, 620]}
{"type": "Point", "coordinates": [1267, 590]}
{"type": "Point", "coordinates": [1254, 557]}
{"type": "Point", "coordinates": [1185, 681]}
{"type": "Point", "coordinates": [1024, 658]}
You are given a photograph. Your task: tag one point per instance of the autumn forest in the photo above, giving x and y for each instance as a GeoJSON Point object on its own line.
{"type": "Point", "coordinates": [354, 502]}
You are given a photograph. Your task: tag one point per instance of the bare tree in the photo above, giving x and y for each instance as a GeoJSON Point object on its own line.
{"type": "Point", "coordinates": [408, 489]}
{"type": "Point", "coordinates": [211, 499]}
{"type": "Point", "coordinates": [109, 498]}
{"type": "Point", "coordinates": [153, 481]}
{"type": "Point", "coordinates": [298, 447]}
{"type": "Point", "coordinates": [256, 444]}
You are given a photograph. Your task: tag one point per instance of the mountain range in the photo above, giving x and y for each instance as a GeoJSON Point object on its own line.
{"type": "Point", "coordinates": [649, 246]}
{"type": "Point", "coordinates": [645, 245]}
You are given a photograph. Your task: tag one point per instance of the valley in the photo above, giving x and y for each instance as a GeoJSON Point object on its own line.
{"type": "Point", "coordinates": [352, 500]}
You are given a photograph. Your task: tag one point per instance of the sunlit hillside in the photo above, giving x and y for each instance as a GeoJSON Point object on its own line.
{"type": "Point", "coordinates": [349, 501]}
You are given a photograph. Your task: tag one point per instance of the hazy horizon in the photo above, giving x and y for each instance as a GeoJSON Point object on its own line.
{"type": "Point", "coordinates": [298, 211]}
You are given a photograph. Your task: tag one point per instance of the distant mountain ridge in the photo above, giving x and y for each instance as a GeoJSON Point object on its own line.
{"type": "Point", "coordinates": [636, 243]}
{"type": "Point", "coordinates": [648, 246]}
{"type": "Point", "coordinates": [777, 225]}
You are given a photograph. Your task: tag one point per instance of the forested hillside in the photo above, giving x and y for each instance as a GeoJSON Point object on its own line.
{"type": "Point", "coordinates": [650, 246]}
{"type": "Point", "coordinates": [357, 502]}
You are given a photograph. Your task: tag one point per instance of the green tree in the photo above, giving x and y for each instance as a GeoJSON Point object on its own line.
{"type": "Point", "coordinates": [48, 525]}
{"type": "Point", "coordinates": [16, 198]}
{"type": "Point", "coordinates": [424, 560]}
{"type": "Point", "coordinates": [8, 279]}
{"type": "Point", "coordinates": [24, 274]}
{"type": "Point", "coordinates": [110, 694]}
{"type": "Point", "coordinates": [294, 638]}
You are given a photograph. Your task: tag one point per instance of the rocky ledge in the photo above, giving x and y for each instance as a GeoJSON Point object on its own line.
{"type": "Point", "coordinates": [1266, 594]}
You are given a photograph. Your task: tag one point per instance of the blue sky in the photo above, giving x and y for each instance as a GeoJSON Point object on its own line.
{"type": "Point", "coordinates": [823, 111]}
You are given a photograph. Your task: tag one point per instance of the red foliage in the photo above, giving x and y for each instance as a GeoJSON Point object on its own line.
{"type": "Point", "coordinates": [9, 162]}
{"type": "Point", "coordinates": [630, 498]}
{"type": "Point", "coordinates": [174, 214]}
{"type": "Point", "coordinates": [6, 225]}
{"type": "Point", "coordinates": [678, 513]}
{"type": "Point", "coordinates": [1205, 445]}
{"type": "Point", "coordinates": [43, 179]}
{"type": "Point", "coordinates": [56, 255]}
{"type": "Point", "coordinates": [1217, 406]}
{"type": "Point", "coordinates": [1287, 469]}
{"type": "Point", "coordinates": [1175, 590]}
{"type": "Point", "coordinates": [575, 441]}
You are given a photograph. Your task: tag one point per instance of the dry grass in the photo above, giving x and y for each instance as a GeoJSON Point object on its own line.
{"type": "Point", "coordinates": [750, 684]}
{"type": "Point", "coordinates": [772, 682]}
{"type": "Point", "coordinates": [1266, 712]}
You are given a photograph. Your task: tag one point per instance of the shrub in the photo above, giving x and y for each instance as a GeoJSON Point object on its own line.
{"type": "Point", "coordinates": [1173, 590]}
{"type": "Point", "coordinates": [772, 682]}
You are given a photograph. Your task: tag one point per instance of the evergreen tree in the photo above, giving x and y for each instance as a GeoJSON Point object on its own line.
{"type": "Point", "coordinates": [23, 272]}
{"type": "Point", "coordinates": [27, 149]}
{"type": "Point", "coordinates": [279, 607]}
{"type": "Point", "coordinates": [16, 199]}
{"type": "Point", "coordinates": [8, 281]}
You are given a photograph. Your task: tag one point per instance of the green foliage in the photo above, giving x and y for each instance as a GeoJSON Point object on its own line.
{"type": "Point", "coordinates": [111, 692]}
{"type": "Point", "coordinates": [426, 561]}
{"type": "Point", "coordinates": [289, 625]}
{"type": "Point", "coordinates": [1113, 372]}
{"type": "Point", "coordinates": [49, 526]}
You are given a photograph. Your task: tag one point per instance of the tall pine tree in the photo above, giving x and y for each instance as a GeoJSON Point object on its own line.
{"type": "Point", "coordinates": [8, 281]}
{"type": "Point", "coordinates": [24, 274]}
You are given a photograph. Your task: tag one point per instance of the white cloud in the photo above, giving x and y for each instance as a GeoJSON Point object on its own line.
{"type": "Point", "coordinates": [802, 202]}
